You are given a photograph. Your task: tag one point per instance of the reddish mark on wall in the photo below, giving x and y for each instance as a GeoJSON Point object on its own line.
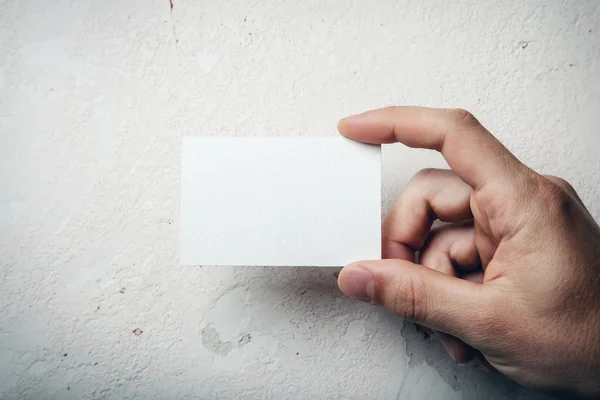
{"type": "Point", "coordinates": [137, 331]}
{"type": "Point", "coordinates": [171, 4]}
{"type": "Point", "coordinates": [122, 290]}
{"type": "Point", "coordinates": [245, 19]}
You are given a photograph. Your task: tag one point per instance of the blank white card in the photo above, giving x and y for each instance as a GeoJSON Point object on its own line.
{"type": "Point", "coordinates": [279, 201]}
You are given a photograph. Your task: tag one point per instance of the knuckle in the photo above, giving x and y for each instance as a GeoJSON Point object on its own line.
{"type": "Point", "coordinates": [558, 201]}
{"type": "Point", "coordinates": [407, 297]}
{"type": "Point", "coordinates": [417, 189]}
{"type": "Point", "coordinates": [422, 183]}
{"type": "Point", "coordinates": [424, 173]}
{"type": "Point", "coordinates": [461, 116]}
{"type": "Point", "coordinates": [561, 183]}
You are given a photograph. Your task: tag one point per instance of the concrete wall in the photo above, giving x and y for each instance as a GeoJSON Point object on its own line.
{"type": "Point", "coordinates": [95, 97]}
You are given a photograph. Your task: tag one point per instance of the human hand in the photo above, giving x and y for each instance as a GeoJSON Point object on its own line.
{"type": "Point", "coordinates": [516, 275]}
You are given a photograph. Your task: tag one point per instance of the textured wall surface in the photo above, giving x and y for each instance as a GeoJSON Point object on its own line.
{"type": "Point", "coordinates": [95, 97]}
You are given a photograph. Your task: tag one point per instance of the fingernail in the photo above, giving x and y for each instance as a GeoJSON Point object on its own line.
{"type": "Point", "coordinates": [450, 350]}
{"type": "Point", "coordinates": [354, 118]}
{"type": "Point", "coordinates": [357, 283]}
{"type": "Point", "coordinates": [487, 367]}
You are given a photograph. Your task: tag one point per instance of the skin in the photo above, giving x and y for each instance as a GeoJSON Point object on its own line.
{"type": "Point", "coordinates": [513, 279]}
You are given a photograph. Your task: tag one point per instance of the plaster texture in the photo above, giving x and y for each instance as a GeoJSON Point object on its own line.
{"type": "Point", "coordinates": [95, 97]}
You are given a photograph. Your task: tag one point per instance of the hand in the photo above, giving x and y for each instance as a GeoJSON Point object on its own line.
{"type": "Point", "coordinates": [516, 275]}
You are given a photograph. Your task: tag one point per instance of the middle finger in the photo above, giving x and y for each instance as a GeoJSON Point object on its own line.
{"type": "Point", "coordinates": [432, 194]}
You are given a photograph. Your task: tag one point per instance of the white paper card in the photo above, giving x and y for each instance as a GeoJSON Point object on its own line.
{"type": "Point", "coordinates": [279, 201]}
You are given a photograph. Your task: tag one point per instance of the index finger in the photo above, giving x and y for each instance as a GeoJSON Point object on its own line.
{"type": "Point", "coordinates": [472, 152]}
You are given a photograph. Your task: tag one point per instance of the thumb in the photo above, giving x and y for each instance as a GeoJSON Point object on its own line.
{"type": "Point", "coordinates": [424, 296]}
